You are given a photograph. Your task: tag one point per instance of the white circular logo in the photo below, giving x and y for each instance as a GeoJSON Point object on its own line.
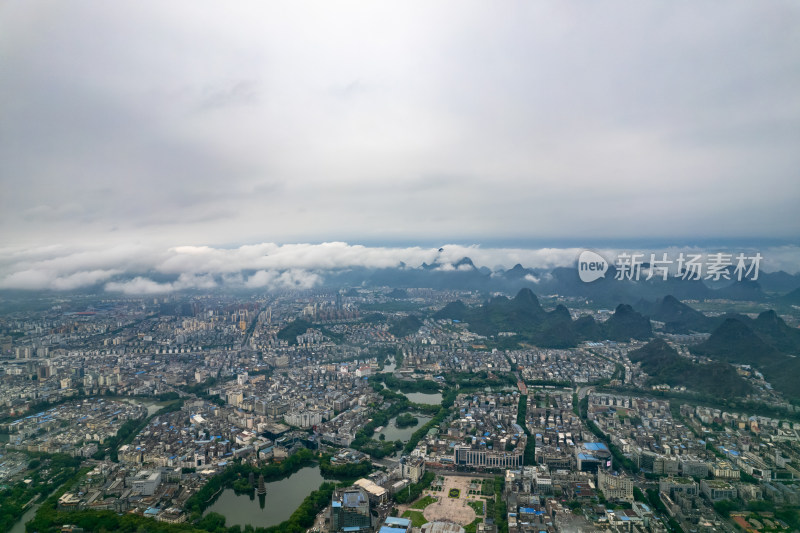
{"type": "Point", "coordinates": [591, 266]}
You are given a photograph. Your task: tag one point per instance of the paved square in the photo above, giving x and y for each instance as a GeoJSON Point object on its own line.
{"type": "Point", "coordinates": [453, 509]}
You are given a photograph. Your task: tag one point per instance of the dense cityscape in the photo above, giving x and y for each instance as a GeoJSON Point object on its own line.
{"type": "Point", "coordinates": [173, 412]}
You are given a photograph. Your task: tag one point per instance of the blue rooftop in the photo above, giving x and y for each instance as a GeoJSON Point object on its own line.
{"type": "Point", "coordinates": [398, 521]}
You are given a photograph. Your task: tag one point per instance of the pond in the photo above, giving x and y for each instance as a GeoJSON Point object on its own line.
{"type": "Point", "coordinates": [430, 398]}
{"type": "Point", "coordinates": [282, 499]}
{"type": "Point", "coordinates": [393, 432]}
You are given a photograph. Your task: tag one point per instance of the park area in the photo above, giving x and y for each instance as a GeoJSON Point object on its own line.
{"type": "Point", "coordinates": [452, 500]}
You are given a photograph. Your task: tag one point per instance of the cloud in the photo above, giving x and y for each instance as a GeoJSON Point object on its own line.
{"type": "Point", "coordinates": [139, 286]}
{"type": "Point", "coordinates": [291, 279]}
{"type": "Point", "coordinates": [49, 279]}
{"type": "Point", "coordinates": [396, 122]}
{"type": "Point", "coordinates": [243, 92]}
{"type": "Point", "coordinates": [138, 269]}
{"type": "Point", "coordinates": [143, 285]}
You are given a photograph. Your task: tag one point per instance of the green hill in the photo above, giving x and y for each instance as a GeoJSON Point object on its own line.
{"type": "Point", "coordinates": [454, 310]}
{"type": "Point", "coordinates": [406, 326]}
{"type": "Point", "coordinates": [294, 328]}
{"type": "Point", "coordinates": [663, 364]}
{"type": "Point", "coordinates": [770, 327]}
{"type": "Point", "coordinates": [626, 324]}
{"type": "Point", "coordinates": [677, 316]}
{"type": "Point", "coordinates": [735, 342]}
{"type": "Point", "coordinates": [792, 298]}
{"type": "Point", "coordinates": [524, 316]}
{"type": "Point", "coordinates": [767, 343]}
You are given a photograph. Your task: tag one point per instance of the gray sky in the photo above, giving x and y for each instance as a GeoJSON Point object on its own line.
{"type": "Point", "coordinates": [166, 124]}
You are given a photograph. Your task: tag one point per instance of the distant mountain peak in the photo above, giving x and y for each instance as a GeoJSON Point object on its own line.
{"type": "Point", "coordinates": [526, 296]}
{"type": "Point", "coordinates": [624, 309]}
{"type": "Point", "coordinates": [769, 316]}
{"type": "Point", "coordinates": [464, 261]}
{"type": "Point", "coordinates": [670, 300]}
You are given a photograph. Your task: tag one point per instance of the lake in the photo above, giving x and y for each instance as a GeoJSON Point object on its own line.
{"type": "Point", "coordinates": [393, 432]}
{"type": "Point", "coordinates": [430, 398]}
{"type": "Point", "coordinates": [282, 499]}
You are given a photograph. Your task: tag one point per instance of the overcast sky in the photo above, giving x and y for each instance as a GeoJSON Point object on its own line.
{"type": "Point", "coordinates": [169, 124]}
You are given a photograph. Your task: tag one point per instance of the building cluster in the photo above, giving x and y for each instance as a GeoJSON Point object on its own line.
{"type": "Point", "coordinates": [156, 492]}
{"type": "Point", "coordinates": [260, 378]}
{"type": "Point", "coordinates": [577, 365]}
{"type": "Point", "coordinates": [492, 439]}
{"type": "Point", "coordinates": [75, 428]}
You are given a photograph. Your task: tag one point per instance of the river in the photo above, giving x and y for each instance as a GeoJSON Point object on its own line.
{"type": "Point", "coordinates": [282, 499]}
{"type": "Point", "coordinates": [27, 516]}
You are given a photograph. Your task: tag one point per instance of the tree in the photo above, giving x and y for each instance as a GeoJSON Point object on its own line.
{"type": "Point", "coordinates": [212, 521]}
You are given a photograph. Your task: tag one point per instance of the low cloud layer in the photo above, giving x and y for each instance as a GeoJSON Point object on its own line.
{"type": "Point", "coordinates": [151, 270]}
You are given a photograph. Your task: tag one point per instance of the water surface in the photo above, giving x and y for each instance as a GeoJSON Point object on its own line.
{"type": "Point", "coordinates": [393, 432]}
{"type": "Point", "coordinates": [27, 516]}
{"type": "Point", "coordinates": [282, 499]}
{"type": "Point", "coordinates": [430, 398]}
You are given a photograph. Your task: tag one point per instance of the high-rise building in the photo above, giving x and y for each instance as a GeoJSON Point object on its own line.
{"type": "Point", "coordinates": [350, 511]}
{"type": "Point", "coordinates": [412, 468]}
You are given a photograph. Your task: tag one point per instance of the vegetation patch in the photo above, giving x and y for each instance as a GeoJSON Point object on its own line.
{"type": "Point", "coordinates": [472, 527]}
{"type": "Point", "coordinates": [417, 518]}
{"type": "Point", "coordinates": [47, 473]}
{"type": "Point", "coordinates": [454, 493]}
{"type": "Point", "coordinates": [424, 502]}
{"type": "Point", "coordinates": [347, 471]}
{"type": "Point", "coordinates": [414, 490]}
{"type": "Point", "coordinates": [406, 326]}
{"type": "Point", "coordinates": [478, 507]}
{"type": "Point", "coordinates": [406, 420]}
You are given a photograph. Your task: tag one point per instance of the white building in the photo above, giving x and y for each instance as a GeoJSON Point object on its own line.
{"type": "Point", "coordinates": [146, 482]}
